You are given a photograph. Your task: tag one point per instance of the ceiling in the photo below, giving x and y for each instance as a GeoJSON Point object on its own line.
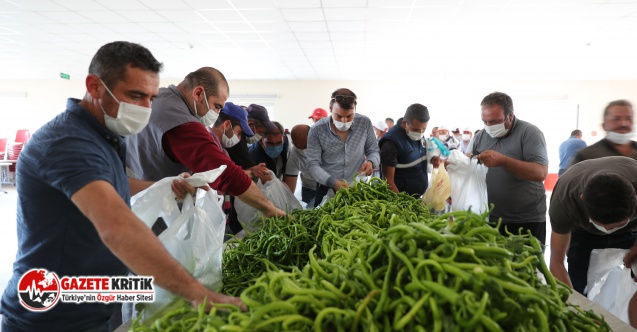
{"type": "Point", "coordinates": [390, 40]}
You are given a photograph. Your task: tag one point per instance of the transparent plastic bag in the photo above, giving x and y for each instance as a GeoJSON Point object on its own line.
{"type": "Point", "coordinates": [610, 283]}
{"type": "Point", "coordinates": [158, 200]}
{"type": "Point", "coordinates": [274, 190]}
{"type": "Point", "coordinates": [195, 240]}
{"type": "Point", "coordinates": [468, 183]}
{"type": "Point", "coordinates": [194, 236]}
{"type": "Point", "coordinates": [439, 189]}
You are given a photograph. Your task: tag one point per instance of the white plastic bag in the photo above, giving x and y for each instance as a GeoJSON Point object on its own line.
{"type": "Point", "coordinates": [194, 236]}
{"type": "Point", "coordinates": [158, 200]}
{"type": "Point", "coordinates": [439, 189]}
{"type": "Point", "coordinates": [274, 190]}
{"type": "Point", "coordinates": [610, 283]}
{"type": "Point", "coordinates": [468, 183]}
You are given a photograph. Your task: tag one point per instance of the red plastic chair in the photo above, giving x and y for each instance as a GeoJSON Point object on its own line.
{"type": "Point", "coordinates": [3, 147]}
{"type": "Point", "coordinates": [22, 136]}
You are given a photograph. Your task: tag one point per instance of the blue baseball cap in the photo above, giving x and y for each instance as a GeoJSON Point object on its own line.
{"type": "Point", "coordinates": [238, 113]}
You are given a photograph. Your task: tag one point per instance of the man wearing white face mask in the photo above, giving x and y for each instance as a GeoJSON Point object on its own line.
{"type": "Point", "coordinates": [74, 216]}
{"type": "Point", "coordinates": [177, 139]}
{"type": "Point", "coordinates": [618, 123]}
{"type": "Point", "coordinates": [515, 152]}
{"type": "Point", "coordinates": [465, 141]}
{"type": "Point", "coordinates": [341, 146]}
{"type": "Point", "coordinates": [403, 156]}
{"type": "Point", "coordinates": [593, 206]}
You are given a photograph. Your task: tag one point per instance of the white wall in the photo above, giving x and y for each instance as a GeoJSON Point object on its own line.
{"type": "Point", "coordinates": [551, 105]}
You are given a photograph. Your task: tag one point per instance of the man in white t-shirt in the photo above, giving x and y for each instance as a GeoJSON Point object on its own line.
{"type": "Point", "coordinates": [298, 163]}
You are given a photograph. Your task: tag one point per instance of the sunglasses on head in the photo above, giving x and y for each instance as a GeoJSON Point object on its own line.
{"type": "Point", "coordinates": [344, 98]}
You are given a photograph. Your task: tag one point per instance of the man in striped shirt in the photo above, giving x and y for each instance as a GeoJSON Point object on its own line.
{"type": "Point", "coordinates": [341, 146]}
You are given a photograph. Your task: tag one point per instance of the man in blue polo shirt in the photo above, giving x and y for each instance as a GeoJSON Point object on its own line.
{"type": "Point", "coordinates": [568, 149]}
{"type": "Point", "coordinates": [73, 216]}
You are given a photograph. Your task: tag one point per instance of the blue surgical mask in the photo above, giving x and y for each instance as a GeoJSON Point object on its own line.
{"type": "Point", "coordinates": [273, 151]}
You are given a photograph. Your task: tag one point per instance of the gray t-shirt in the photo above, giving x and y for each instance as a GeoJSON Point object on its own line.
{"type": "Point", "coordinates": [515, 200]}
{"type": "Point", "coordinates": [567, 211]}
{"type": "Point", "coordinates": [298, 163]}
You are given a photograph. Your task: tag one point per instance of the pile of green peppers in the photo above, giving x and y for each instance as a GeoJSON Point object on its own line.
{"type": "Point", "coordinates": [373, 260]}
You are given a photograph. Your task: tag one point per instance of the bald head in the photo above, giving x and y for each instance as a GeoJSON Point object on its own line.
{"type": "Point", "coordinates": [299, 136]}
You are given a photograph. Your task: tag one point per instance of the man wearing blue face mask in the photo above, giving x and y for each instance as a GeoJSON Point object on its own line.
{"type": "Point", "coordinates": [515, 152]}
{"type": "Point", "coordinates": [618, 123]}
{"type": "Point", "coordinates": [272, 150]}
{"type": "Point", "coordinates": [341, 146]}
{"type": "Point", "coordinates": [593, 206]}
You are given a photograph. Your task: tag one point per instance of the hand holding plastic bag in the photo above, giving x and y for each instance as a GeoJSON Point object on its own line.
{"type": "Point", "coordinates": [158, 200]}
{"type": "Point", "coordinates": [275, 191]}
{"type": "Point", "coordinates": [468, 183]}
{"type": "Point", "coordinates": [194, 236]}
{"type": "Point", "coordinates": [610, 283]}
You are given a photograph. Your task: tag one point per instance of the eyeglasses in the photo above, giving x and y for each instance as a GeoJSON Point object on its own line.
{"type": "Point", "coordinates": [344, 98]}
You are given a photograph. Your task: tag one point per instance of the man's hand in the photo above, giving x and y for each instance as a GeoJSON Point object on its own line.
{"type": "Point", "coordinates": [366, 168]}
{"type": "Point", "coordinates": [211, 298]}
{"type": "Point", "coordinates": [630, 257]}
{"type": "Point", "coordinates": [340, 184]}
{"type": "Point", "coordinates": [435, 161]}
{"type": "Point", "coordinates": [491, 158]}
{"type": "Point", "coordinates": [181, 188]}
{"type": "Point", "coordinates": [261, 171]}
{"type": "Point", "coordinates": [276, 212]}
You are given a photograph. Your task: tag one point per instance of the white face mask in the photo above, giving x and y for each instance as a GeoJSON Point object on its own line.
{"type": "Point", "coordinates": [618, 138]}
{"type": "Point", "coordinates": [496, 131]}
{"type": "Point", "coordinates": [342, 126]}
{"type": "Point", "coordinates": [444, 137]}
{"type": "Point", "coordinates": [229, 142]}
{"type": "Point", "coordinates": [131, 119]}
{"type": "Point", "coordinates": [466, 137]}
{"type": "Point", "coordinates": [415, 136]}
{"type": "Point", "coordinates": [253, 139]}
{"type": "Point", "coordinates": [210, 118]}
{"type": "Point", "coordinates": [604, 230]}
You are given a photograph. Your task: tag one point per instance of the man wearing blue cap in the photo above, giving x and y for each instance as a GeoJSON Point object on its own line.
{"type": "Point", "coordinates": [177, 140]}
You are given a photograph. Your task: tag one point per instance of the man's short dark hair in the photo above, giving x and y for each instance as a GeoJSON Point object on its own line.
{"type": "Point", "coordinates": [390, 120]}
{"type": "Point", "coordinates": [498, 98]}
{"type": "Point", "coordinates": [418, 112]}
{"type": "Point", "coordinates": [620, 102]}
{"type": "Point", "coordinates": [111, 60]}
{"type": "Point", "coordinates": [347, 103]}
{"type": "Point", "coordinates": [211, 79]}
{"type": "Point", "coordinates": [576, 132]}
{"type": "Point", "coordinates": [609, 198]}
{"type": "Point", "coordinates": [223, 117]}
{"type": "Point", "coordinates": [279, 129]}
